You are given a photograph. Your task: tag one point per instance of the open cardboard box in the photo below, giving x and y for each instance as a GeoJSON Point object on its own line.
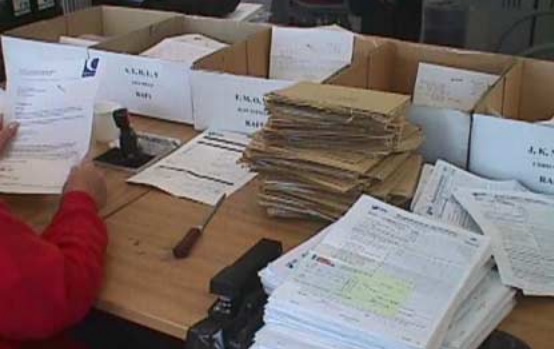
{"type": "Point", "coordinates": [228, 87]}
{"type": "Point", "coordinates": [102, 21]}
{"type": "Point", "coordinates": [506, 140]}
{"type": "Point", "coordinates": [156, 87]}
{"type": "Point", "coordinates": [393, 66]}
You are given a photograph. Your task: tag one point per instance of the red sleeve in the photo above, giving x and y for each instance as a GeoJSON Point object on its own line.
{"type": "Point", "coordinates": [49, 282]}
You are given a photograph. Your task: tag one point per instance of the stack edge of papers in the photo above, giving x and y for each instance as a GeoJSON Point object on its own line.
{"type": "Point", "coordinates": [381, 277]}
{"type": "Point", "coordinates": [324, 146]}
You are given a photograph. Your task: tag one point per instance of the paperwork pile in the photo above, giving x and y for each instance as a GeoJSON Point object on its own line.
{"type": "Point", "coordinates": [381, 277]}
{"type": "Point", "coordinates": [323, 146]}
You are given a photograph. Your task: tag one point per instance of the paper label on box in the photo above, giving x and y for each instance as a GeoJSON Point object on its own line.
{"type": "Point", "coordinates": [230, 102]}
{"type": "Point", "coordinates": [510, 149]}
{"type": "Point", "coordinates": [309, 54]}
{"type": "Point", "coordinates": [147, 86]}
{"type": "Point", "coordinates": [445, 87]}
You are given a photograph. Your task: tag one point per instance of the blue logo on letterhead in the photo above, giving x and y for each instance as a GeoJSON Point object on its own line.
{"type": "Point", "coordinates": [91, 65]}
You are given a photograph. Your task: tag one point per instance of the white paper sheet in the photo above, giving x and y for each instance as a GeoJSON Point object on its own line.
{"type": "Point", "coordinates": [445, 87]}
{"type": "Point", "coordinates": [309, 54]}
{"type": "Point", "coordinates": [426, 173]}
{"type": "Point", "coordinates": [279, 270]}
{"type": "Point", "coordinates": [201, 170]}
{"type": "Point", "coordinates": [381, 277]}
{"type": "Point", "coordinates": [231, 102]}
{"type": "Point", "coordinates": [436, 200]}
{"type": "Point", "coordinates": [53, 103]}
{"type": "Point", "coordinates": [245, 11]}
{"type": "Point", "coordinates": [186, 49]}
{"type": "Point", "coordinates": [521, 227]}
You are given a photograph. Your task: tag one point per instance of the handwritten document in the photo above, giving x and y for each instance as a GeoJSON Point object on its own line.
{"type": "Point", "coordinates": [201, 170]}
{"type": "Point", "coordinates": [53, 103]}
{"type": "Point", "coordinates": [309, 54]}
{"type": "Point", "coordinates": [364, 279]}
{"type": "Point", "coordinates": [185, 48]}
{"type": "Point", "coordinates": [452, 88]}
{"type": "Point", "coordinates": [437, 201]}
{"type": "Point", "coordinates": [521, 227]}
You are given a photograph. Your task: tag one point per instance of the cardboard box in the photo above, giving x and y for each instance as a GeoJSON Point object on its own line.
{"type": "Point", "coordinates": [229, 86]}
{"type": "Point", "coordinates": [506, 140]}
{"type": "Point", "coordinates": [103, 21]}
{"type": "Point", "coordinates": [393, 67]}
{"type": "Point", "coordinates": [155, 87]}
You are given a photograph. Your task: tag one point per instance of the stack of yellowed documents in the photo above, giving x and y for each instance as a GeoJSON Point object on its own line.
{"type": "Point", "coordinates": [324, 146]}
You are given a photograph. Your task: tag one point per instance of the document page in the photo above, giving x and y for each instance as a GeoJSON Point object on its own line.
{"type": "Point", "coordinates": [185, 49]}
{"type": "Point", "coordinates": [201, 170]}
{"type": "Point", "coordinates": [426, 173]}
{"type": "Point", "coordinates": [475, 312]}
{"type": "Point", "coordinates": [437, 201]}
{"type": "Point", "coordinates": [309, 54]}
{"type": "Point", "coordinates": [53, 103]}
{"type": "Point", "coordinates": [521, 227]}
{"type": "Point", "coordinates": [452, 88]}
{"type": "Point", "coordinates": [365, 278]}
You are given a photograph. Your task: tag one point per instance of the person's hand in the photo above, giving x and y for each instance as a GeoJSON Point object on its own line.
{"type": "Point", "coordinates": [85, 177]}
{"type": "Point", "coordinates": [7, 134]}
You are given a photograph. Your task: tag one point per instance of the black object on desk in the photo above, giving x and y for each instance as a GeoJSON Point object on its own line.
{"type": "Point", "coordinates": [238, 313]}
{"type": "Point", "coordinates": [503, 340]}
{"type": "Point", "coordinates": [129, 154]}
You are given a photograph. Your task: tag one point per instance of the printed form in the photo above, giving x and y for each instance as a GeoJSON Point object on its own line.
{"type": "Point", "coordinates": [53, 103]}
{"type": "Point", "coordinates": [521, 227]}
{"type": "Point", "coordinates": [365, 278]}
{"type": "Point", "coordinates": [201, 170]}
{"type": "Point", "coordinates": [436, 199]}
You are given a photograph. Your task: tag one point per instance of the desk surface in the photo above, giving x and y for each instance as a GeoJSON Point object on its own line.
{"type": "Point", "coordinates": [146, 286]}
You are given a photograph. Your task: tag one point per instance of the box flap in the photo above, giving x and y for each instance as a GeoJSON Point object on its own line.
{"type": "Point", "coordinates": [537, 91]}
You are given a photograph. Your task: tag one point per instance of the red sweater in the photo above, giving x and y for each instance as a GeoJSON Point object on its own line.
{"type": "Point", "coordinates": [49, 282]}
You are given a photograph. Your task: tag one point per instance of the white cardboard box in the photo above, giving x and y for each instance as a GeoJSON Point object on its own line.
{"type": "Point", "coordinates": [144, 85]}
{"type": "Point", "coordinates": [228, 87]}
{"type": "Point", "coordinates": [506, 140]}
{"type": "Point", "coordinates": [393, 67]}
{"type": "Point", "coordinates": [155, 87]}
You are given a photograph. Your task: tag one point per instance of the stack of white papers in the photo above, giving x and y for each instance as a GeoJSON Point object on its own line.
{"type": "Point", "coordinates": [379, 278]}
{"type": "Point", "coordinates": [202, 170]}
{"type": "Point", "coordinates": [521, 227]}
{"type": "Point", "coordinates": [184, 49]}
{"type": "Point", "coordinates": [436, 198]}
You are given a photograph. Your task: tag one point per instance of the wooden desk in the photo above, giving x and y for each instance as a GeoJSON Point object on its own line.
{"type": "Point", "coordinates": [146, 286]}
